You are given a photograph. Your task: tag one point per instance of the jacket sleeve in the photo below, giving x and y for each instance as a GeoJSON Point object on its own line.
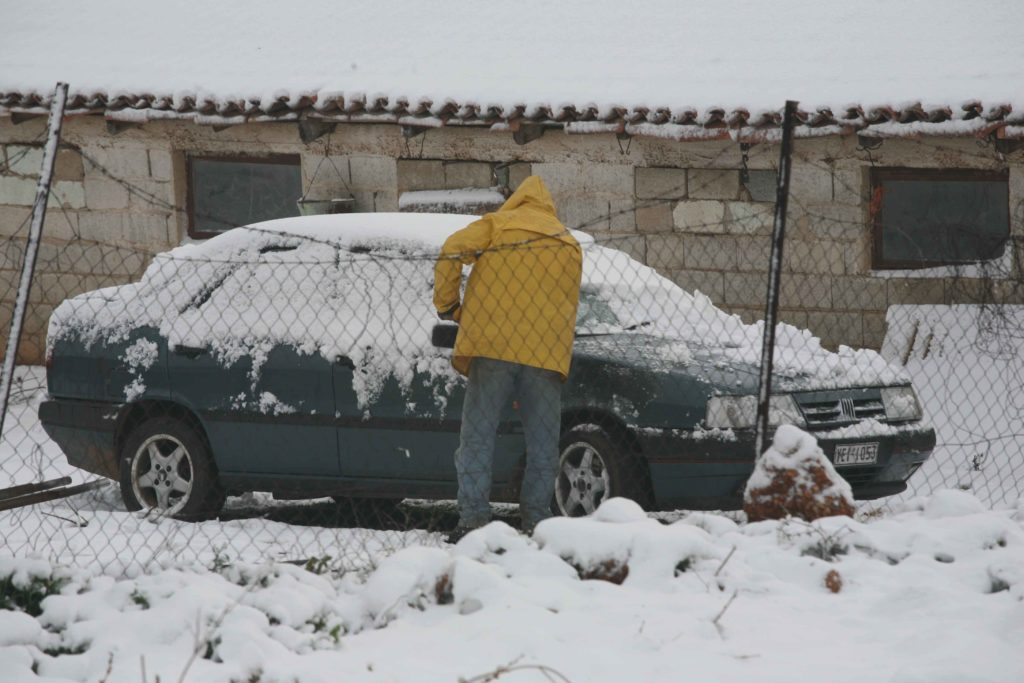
{"type": "Point", "coordinates": [461, 248]}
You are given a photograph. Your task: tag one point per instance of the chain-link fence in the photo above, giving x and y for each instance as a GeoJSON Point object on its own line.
{"type": "Point", "coordinates": [932, 271]}
{"type": "Point", "coordinates": [286, 390]}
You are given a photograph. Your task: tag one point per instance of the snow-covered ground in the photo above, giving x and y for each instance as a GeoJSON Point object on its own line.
{"type": "Point", "coordinates": [26, 453]}
{"type": "Point", "coordinates": [967, 365]}
{"type": "Point", "coordinates": [932, 593]}
{"type": "Point", "coordinates": [932, 586]}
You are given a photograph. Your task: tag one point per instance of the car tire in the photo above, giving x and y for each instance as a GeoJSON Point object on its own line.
{"type": "Point", "coordinates": [592, 467]}
{"type": "Point", "coordinates": [166, 466]}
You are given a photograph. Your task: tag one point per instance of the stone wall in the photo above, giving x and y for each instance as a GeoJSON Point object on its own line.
{"type": "Point", "coordinates": [681, 207]}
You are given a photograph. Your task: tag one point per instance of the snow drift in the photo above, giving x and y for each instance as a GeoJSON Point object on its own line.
{"type": "Point", "coordinates": [931, 593]}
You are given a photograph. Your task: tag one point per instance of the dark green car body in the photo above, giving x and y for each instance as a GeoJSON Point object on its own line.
{"type": "Point", "coordinates": [298, 430]}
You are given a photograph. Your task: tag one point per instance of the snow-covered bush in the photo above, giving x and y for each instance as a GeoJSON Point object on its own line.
{"type": "Point", "coordinates": [794, 478]}
{"type": "Point", "coordinates": [24, 584]}
{"type": "Point", "coordinates": [620, 543]}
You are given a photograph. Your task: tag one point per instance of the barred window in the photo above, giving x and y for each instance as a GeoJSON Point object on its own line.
{"type": "Point", "coordinates": [229, 191]}
{"type": "Point", "coordinates": [931, 217]}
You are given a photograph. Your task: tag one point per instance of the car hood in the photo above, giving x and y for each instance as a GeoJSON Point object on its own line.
{"type": "Point", "coordinates": [735, 369]}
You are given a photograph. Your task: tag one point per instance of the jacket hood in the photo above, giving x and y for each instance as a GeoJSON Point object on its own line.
{"type": "Point", "coordinates": [533, 194]}
{"type": "Point", "coordinates": [531, 208]}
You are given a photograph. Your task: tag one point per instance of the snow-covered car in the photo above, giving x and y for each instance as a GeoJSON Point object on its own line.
{"type": "Point", "coordinates": [297, 357]}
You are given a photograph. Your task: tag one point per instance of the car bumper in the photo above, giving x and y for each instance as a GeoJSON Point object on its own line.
{"type": "Point", "coordinates": [710, 470]}
{"type": "Point", "coordinates": [85, 431]}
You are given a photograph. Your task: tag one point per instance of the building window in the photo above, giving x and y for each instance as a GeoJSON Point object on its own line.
{"type": "Point", "coordinates": [228, 191]}
{"type": "Point", "coordinates": [463, 187]}
{"type": "Point", "coordinates": [925, 218]}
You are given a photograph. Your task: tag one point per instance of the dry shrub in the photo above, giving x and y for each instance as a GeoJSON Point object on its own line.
{"type": "Point", "coordinates": [443, 590]}
{"type": "Point", "coordinates": [783, 497]}
{"type": "Point", "coordinates": [611, 571]}
{"type": "Point", "coordinates": [794, 478]}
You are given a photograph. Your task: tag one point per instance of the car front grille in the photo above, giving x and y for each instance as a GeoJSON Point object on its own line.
{"type": "Point", "coordinates": [837, 412]}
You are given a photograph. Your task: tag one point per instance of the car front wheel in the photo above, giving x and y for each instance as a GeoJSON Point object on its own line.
{"type": "Point", "coordinates": [592, 468]}
{"type": "Point", "coordinates": [167, 467]}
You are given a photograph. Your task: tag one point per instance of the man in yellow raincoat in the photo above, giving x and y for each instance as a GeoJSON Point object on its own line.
{"type": "Point", "coordinates": [517, 322]}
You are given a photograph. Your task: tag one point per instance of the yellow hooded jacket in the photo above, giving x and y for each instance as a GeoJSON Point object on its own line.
{"type": "Point", "coordinates": [521, 297]}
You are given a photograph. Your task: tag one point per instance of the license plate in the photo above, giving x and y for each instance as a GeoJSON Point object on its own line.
{"type": "Point", "coordinates": [856, 454]}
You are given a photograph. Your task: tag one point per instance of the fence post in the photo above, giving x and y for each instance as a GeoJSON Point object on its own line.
{"type": "Point", "coordinates": [60, 97]}
{"type": "Point", "coordinates": [771, 311]}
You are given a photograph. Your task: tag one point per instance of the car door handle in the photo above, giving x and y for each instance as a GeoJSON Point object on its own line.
{"type": "Point", "coordinates": [189, 351]}
{"type": "Point", "coordinates": [344, 361]}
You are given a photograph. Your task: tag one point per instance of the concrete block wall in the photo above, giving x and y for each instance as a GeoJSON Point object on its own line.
{"type": "Point", "coordinates": [706, 232]}
{"type": "Point", "coordinates": [97, 233]}
{"type": "Point", "coordinates": [681, 207]}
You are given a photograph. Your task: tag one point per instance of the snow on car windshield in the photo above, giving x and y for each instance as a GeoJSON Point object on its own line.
{"type": "Point", "coordinates": [361, 285]}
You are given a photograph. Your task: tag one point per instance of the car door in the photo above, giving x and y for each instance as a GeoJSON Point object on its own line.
{"type": "Point", "coordinates": [120, 369]}
{"type": "Point", "coordinates": [267, 407]}
{"type": "Point", "coordinates": [281, 424]}
{"type": "Point", "coordinates": [411, 432]}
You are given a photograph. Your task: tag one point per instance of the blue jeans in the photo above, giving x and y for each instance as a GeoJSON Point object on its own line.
{"type": "Point", "coordinates": [492, 383]}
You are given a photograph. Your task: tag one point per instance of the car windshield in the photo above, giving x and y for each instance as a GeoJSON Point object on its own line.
{"type": "Point", "coordinates": [600, 312]}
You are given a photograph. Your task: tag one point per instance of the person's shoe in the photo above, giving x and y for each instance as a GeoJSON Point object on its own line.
{"type": "Point", "coordinates": [526, 527]}
{"type": "Point", "coordinates": [456, 534]}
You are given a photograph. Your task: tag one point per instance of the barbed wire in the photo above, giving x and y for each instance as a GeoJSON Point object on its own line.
{"type": "Point", "coordinates": [669, 196]}
{"type": "Point", "coordinates": [280, 525]}
{"type": "Point", "coordinates": [28, 146]}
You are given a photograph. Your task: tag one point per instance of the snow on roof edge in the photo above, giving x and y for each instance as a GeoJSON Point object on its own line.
{"type": "Point", "coordinates": [908, 117]}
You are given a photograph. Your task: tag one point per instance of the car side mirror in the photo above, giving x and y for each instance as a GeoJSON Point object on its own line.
{"type": "Point", "coordinates": [443, 336]}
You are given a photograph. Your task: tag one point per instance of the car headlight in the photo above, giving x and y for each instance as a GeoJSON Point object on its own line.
{"type": "Point", "coordinates": [740, 412]}
{"type": "Point", "coordinates": [901, 404]}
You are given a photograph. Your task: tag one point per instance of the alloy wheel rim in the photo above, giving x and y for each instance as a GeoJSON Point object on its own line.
{"type": "Point", "coordinates": [162, 474]}
{"type": "Point", "coordinates": [583, 481]}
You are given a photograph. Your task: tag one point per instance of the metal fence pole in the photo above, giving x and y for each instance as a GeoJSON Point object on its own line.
{"type": "Point", "coordinates": [60, 97]}
{"type": "Point", "coordinates": [771, 311]}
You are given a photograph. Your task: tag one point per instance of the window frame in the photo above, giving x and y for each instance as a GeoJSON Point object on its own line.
{"type": "Point", "coordinates": [881, 174]}
{"type": "Point", "coordinates": [190, 159]}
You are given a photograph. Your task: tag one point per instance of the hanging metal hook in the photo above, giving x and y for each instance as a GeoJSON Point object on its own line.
{"type": "Point", "coordinates": [619, 137]}
{"type": "Point", "coordinates": [316, 171]}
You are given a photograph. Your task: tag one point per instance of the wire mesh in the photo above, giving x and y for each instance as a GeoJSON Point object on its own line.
{"type": "Point", "coordinates": [280, 391]}
{"type": "Point", "coordinates": [923, 263]}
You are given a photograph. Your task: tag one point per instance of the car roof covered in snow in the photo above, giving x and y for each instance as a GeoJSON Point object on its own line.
{"type": "Point", "coordinates": [424, 232]}
{"type": "Point", "coordinates": [360, 285]}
